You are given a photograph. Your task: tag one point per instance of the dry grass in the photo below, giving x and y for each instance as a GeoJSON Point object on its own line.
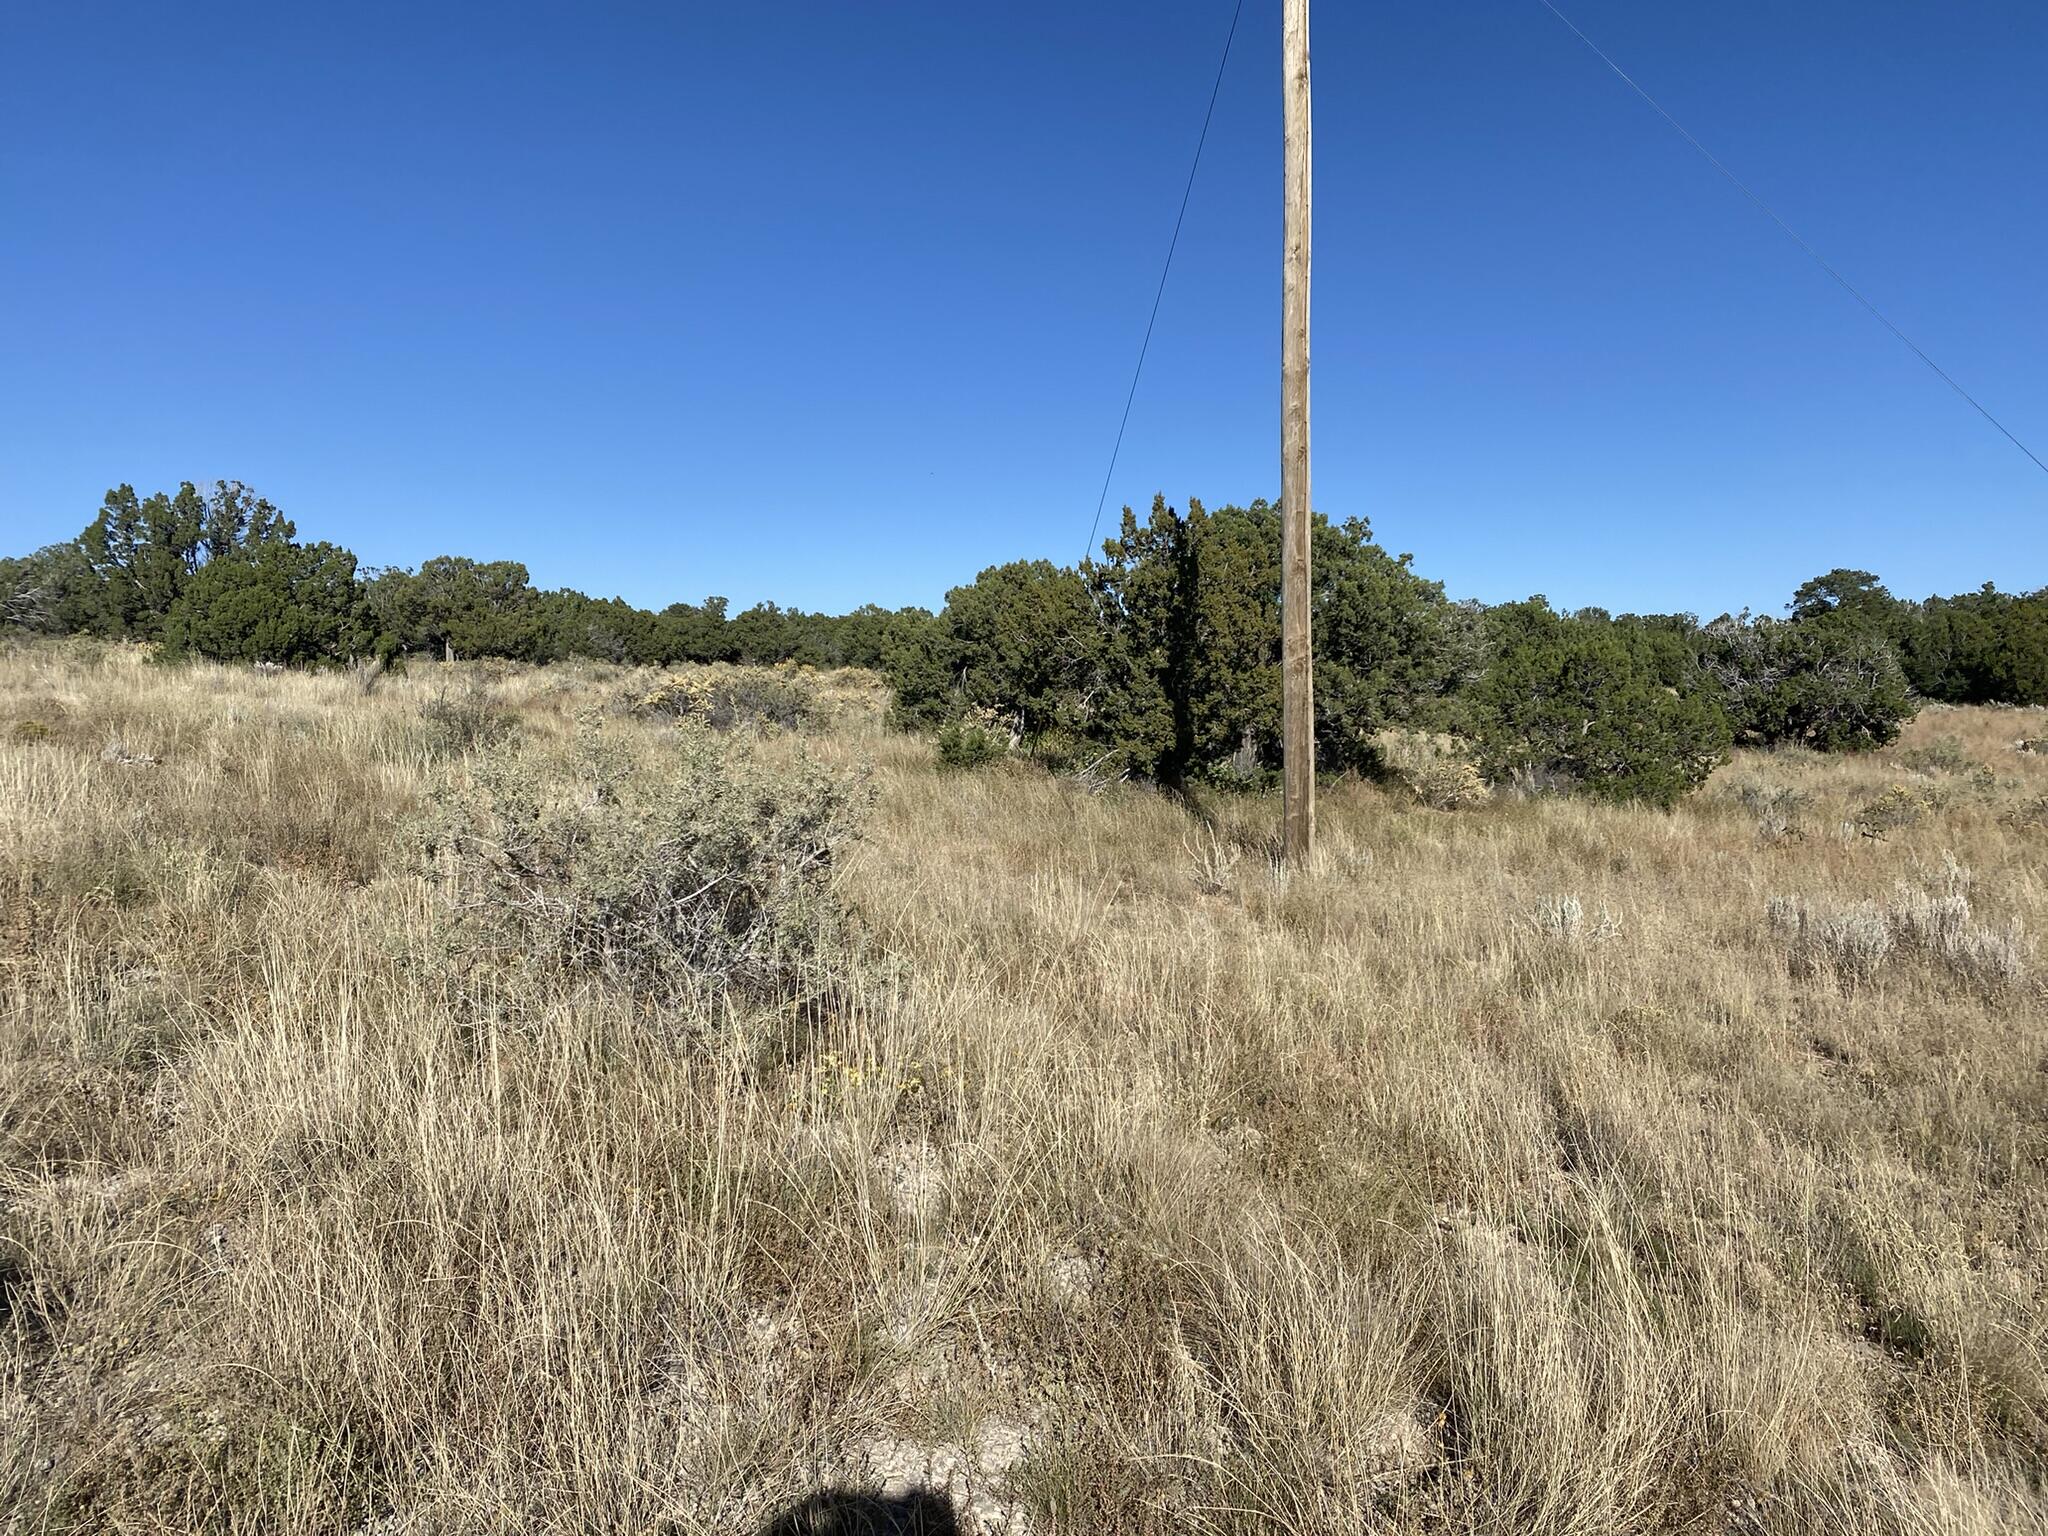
{"type": "Point", "coordinates": [1508, 1172]}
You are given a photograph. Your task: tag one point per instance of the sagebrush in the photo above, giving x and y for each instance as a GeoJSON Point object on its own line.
{"type": "Point", "coordinates": [678, 868]}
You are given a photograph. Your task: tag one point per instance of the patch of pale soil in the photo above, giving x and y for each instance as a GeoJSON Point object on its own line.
{"type": "Point", "coordinates": [1072, 1278]}
{"type": "Point", "coordinates": [974, 1478]}
{"type": "Point", "coordinates": [1398, 1447]}
{"type": "Point", "coordinates": [913, 1175]}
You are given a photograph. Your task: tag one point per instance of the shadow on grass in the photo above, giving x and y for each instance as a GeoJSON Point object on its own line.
{"type": "Point", "coordinates": [861, 1514]}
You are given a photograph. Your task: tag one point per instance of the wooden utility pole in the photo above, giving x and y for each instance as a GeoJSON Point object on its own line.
{"type": "Point", "coordinates": [1297, 671]}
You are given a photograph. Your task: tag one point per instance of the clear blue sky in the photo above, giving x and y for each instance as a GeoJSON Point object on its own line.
{"type": "Point", "coordinates": [830, 302]}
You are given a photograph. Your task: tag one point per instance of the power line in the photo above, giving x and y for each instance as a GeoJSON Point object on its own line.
{"type": "Point", "coordinates": [1770, 212]}
{"type": "Point", "coordinates": [1172, 245]}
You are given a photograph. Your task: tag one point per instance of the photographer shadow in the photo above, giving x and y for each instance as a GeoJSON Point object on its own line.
{"type": "Point", "coordinates": [863, 1514]}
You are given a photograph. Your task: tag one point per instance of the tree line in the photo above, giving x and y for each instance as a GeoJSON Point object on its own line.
{"type": "Point", "coordinates": [1165, 655]}
{"type": "Point", "coordinates": [221, 574]}
{"type": "Point", "coordinates": [1161, 655]}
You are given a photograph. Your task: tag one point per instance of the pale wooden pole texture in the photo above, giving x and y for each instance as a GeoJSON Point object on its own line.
{"type": "Point", "coordinates": [1297, 679]}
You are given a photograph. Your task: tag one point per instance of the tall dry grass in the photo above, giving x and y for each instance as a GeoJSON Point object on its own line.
{"type": "Point", "coordinates": [1510, 1171]}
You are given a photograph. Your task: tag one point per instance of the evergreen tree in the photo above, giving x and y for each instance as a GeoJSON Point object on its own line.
{"type": "Point", "coordinates": [1020, 643]}
{"type": "Point", "coordinates": [141, 553]}
{"type": "Point", "coordinates": [1190, 610]}
{"type": "Point", "coordinates": [53, 590]}
{"type": "Point", "coordinates": [279, 602]}
{"type": "Point", "coordinates": [1589, 702]}
{"type": "Point", "coordinates": [1978, 647]}
{"type": "Point", "coordinates": [1853, 597]}
{"type": "Point", "coordinates": [468, 607]}
{"type": "Point", "coordinates": [1831, 681]}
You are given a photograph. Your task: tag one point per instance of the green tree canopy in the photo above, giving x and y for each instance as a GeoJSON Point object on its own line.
{"type": "Point", "coordinates": [1855, 596]}
{"type": "Point", "coordinates": [53, 589]}
{"type": "Point", "coordinates": [1190, 609]}
{"type": "Point", "coordinates": [1828, 683]}
{"type": "Point", "coordinates": [141, 552]}
{"type": "Point", "coordinates": [1019, 642]}
{"type": "Point", "coordinates": [1978, 647]}
{"type": "Point", "coordinates": [1591, 702]}
{"type": "Point", "coordinates": [281, 602]}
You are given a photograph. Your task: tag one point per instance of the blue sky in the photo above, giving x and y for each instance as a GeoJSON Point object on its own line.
{"type": "Point", "coordinates": [830, 303]}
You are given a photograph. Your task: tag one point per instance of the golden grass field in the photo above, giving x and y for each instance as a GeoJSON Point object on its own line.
{"type": "Point", "coordinates": [1520, 1168]}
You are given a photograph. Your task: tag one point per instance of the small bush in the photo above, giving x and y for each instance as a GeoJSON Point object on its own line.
{"type": "Point", "coordinates": [1897, 808]}
{"type": "Point", "coordinates": [466, 717]}
{"type": "Point", "coordinates": [1437, 770]}
{"type": "Point", "coordinates": [728, 697]}
{"type": "Point", "coordinates": [1779, 809]}
{"type": "Point", "coordinates": [708, 873]}
{"type": "Point", "coordinates": [1213, 859]}
{"type": "Point", "coordinates": [1985, 959]}
{"type": "Point", "coordinates": [118, 751]}
{"type": "Point", "coordinates": [1938, 925]}
{"type": "Point", "coordinates": [965, 744]}
{"type": "Point", "coordinates": [1932, 922]}
{"type": "Point", "coordinates": [1944, 755]}
{"type": "Point", "coordinates": [1851, 945]}
{"type": "Point", "coordinates": [1927, 919]}
{"type": "Point", "coordinates": [1563, 920]}
{"type": "Point", "coordinates": [2028, 815]}
{"type": "Point", "coordinates": [32, 730]}
{"type": "Point", "coordinates": [1946, 761]}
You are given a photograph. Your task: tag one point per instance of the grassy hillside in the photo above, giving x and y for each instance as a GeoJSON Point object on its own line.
{"type": "Point", "coordinates": [1537, 1166]}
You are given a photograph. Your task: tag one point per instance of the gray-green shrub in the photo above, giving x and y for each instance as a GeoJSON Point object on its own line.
{"type": "Point", "coordinates": [465, 716]}
{"type": "Point", "coordinates": [727, 698]}
{"type": "Point", "coordinates": [690, 868]}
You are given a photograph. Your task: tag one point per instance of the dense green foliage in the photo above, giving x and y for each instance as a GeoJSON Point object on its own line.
{"type": "Point", "coordinates": [1616, 709]}
{"type": "Point", "coordinates": [280, 602]}
{"type": "Point", "coordinates": [221, 574]}
{"type": "Point", "coordinates": [1160, 659]}
{"type": "Point", "coordinates": [1189, 609]}
{"type": "Point", "coordinates": [1985, 647]}
{"type": "Point", "coordinates": [1164, 654]}
{"type": "Point", "coordinates": [1167, 650]}
{"type": "Point", "coordinates": [1824, 681]}
{"type": "Point", "coordinates": [1982, 647]}
{"type": "Point", "coordinates": [965, 744]}
{"type": "Point", "coordinates": [1018, 643]}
